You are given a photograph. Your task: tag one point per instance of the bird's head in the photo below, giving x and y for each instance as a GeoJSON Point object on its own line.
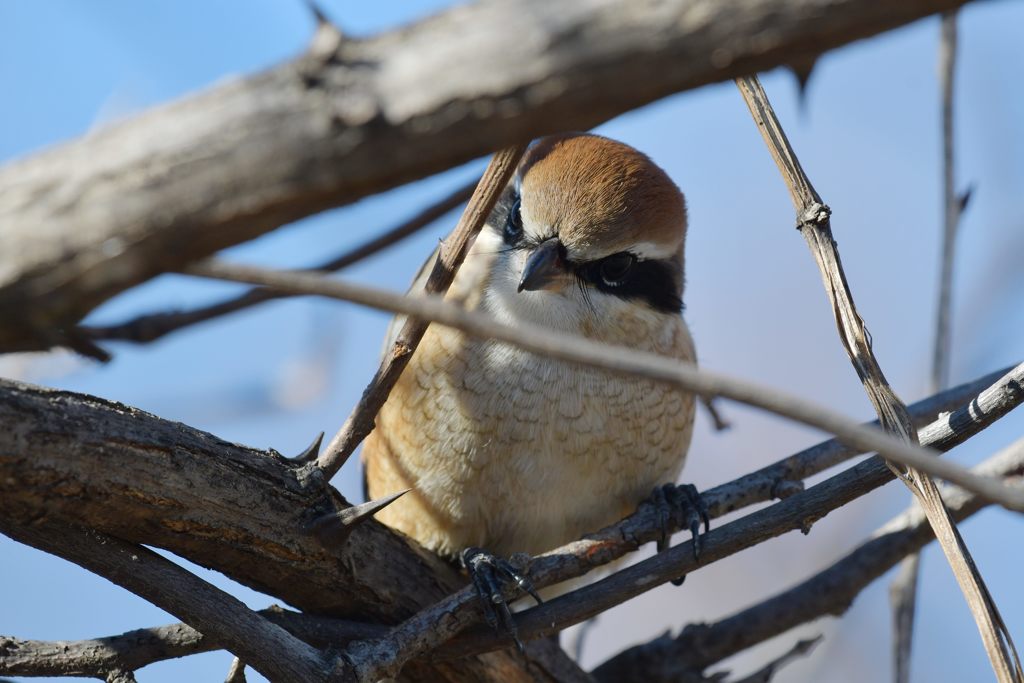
{"type": "Point", "coordinates": [588, 229]}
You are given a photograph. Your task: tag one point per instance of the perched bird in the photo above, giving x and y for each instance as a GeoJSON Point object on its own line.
{"type": "Point", "coordinates": [513, 452]}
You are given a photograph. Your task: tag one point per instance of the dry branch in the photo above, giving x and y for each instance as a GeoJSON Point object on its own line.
{"type": "Point", "coordinates": [829, 592]}
{"type": "Point", "coordinates": [86, 220]}
{"type": "Point", "coordinates": [619, 360]}
{"type": "Point", "coordinates": [903, 590]}
{"type": "Point", "coordinates": [31, 487]}
{"type": "Point", "coordinates": [814, 224]}
{"type": "Point", "coordinates": [449, 257]}
{"type": "Point", "coordinates": [81, 460]}
{"type": "Point", "coordinates": [270, 649]}
{"type": "Point", "coordinates": [153, 326]}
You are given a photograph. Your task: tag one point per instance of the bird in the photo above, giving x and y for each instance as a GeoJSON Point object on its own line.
{"type": "Point", "coordinates": [507, 450]}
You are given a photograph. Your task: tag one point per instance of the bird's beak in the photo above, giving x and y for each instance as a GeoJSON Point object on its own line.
{"type": "Point", "coordinates": [545, 268]}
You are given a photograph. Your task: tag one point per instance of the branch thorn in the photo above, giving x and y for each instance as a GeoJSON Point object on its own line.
{"type": "Point", "coordinates": [334, 528]}
{"type": "Point", "coordinates": [310, 452]}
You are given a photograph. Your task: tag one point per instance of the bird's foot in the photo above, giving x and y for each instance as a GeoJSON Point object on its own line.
{"type": "Point", "coordinates": [685, 502]}
{"type": "Point", "coordinates": [491, 575]}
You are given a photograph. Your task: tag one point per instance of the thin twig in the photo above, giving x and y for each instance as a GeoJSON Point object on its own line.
{"type": "Point", "coordinates": [153, 326]}
{"type": "Point", "coordinates": [813, 222]}
{"type": "Point", "coordinates": [829, 592]}
{"type": "Point", "coordinates": [453, 250]}
{"type": "Point", "coordinates": [903, 590]}
{"type": "Point", "coordinates": [618, 360]}
{"type": "Point", "coordinates": [952, 205]}
{"type": "Point", "coordinates": [270, 649]}
{"type": "Point", "coordinates": [802, 648]}
{"type": "Point", "coordinates": [978, 404]}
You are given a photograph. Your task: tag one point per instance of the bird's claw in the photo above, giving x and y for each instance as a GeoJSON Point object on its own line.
{"type": "Point", "coordinates": [683, 500]}
{"type": "Point", "coordinates": [490, 575]}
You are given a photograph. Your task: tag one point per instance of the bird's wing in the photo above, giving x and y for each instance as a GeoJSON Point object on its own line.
{"type": "Point", "coordinates": [394, 327]}
{"type": "Point", "coordinates": [417, 285]}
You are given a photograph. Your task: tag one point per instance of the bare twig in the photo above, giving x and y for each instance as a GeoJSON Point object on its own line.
{"type": "Point", "coordinates": [980, 404]}
{"type": "Point", "coordinates": [813, 222]}
{"type": "Point", "coordinates": [952, 205]}
{"type": "Point", "coordinates": [267, 647]}
{"type": "Point", "coordinates": [453, 250]}
{"type": "Point", "coordinates": [153, 326]}
{"type": "Point", "coordinates": [802, 648]}
{"type": "Point", "coordinates": [621, 361]}
{"type": "Point", "coordinates": [903, 599]}
{"type": "Point", "coordinates": [829, 592]}
{"type": "Point", "coordinates": [903, 591]}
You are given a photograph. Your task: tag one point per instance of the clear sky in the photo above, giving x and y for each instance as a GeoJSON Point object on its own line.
{"type": "Point", "coordinates": [275, 376]}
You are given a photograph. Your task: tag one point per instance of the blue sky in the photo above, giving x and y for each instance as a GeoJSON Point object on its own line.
{"type": "Point", "coordinates": [275, 376]}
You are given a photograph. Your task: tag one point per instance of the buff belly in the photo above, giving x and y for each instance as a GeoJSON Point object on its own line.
{"type": "Point", "coordinates": [512, 452]}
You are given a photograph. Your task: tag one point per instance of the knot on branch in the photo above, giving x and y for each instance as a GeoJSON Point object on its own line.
{"type": "Point", "coordinates": [815, 216]}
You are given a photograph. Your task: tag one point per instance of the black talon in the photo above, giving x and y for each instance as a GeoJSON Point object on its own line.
{"type": "Point", "coordinates": [489, 575]}
{"type": "Point", "coordinates": [670, 500]}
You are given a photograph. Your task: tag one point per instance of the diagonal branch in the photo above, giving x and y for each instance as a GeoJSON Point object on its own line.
{"type": "Point", "coordinates": [270, 649]}
{"type": "Point", "coordinates": [81, 460]}
{"type": "Point", "coordinates": [903, 591]}
{"type": "Point", "coordinates": [980, 404]}
{"type": "Point", "coordinates": [450, 256]}
{"type": "Point", "coordinates": [829, 592]}
{"type": "Point", "coordinates": [153, 326]}
{"type": "Point", "coordinates": [86, 220]}
{"type": "Point", "coordinates": [813, 222]}
{"type": "Point", "coordinates": [616, 359]}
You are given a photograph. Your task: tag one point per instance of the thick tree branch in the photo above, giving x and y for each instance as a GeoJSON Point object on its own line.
{"type": "Point", "coordinates": [153, 326]}
{"type": "Point", "coordinates": [575, 349]}
{"type": "Point", "coordinates": [829, 592]}
{"type": "Point", "coordinates": [983, 401]}
{"type": "Point", "coordinates": [91, 218]}
{"type": "Point", "coordinates": [81, 460]}
{"type": "Point", "coordinates": [270, 649]}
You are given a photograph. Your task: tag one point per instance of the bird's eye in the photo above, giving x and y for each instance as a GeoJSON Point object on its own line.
{"type": "Point", "coordinates": [616, 267]}
{"type": "Point", "coordinates": [514, 224]}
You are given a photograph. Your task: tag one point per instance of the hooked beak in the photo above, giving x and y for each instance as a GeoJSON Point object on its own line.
{"type": "Point", "coordinates": [545, 267]}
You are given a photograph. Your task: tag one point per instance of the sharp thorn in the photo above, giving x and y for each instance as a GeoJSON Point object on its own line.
{"type": "Point", "coordinates": [310, 452]}
{"type": "Point", "coordinates": [357, 514]}
{"type": "Point", "coordinates": [965, 198]}
{"type": "Point", "coordinates": [333, 529]}
{"type": "Point", "coordinates": [318, 14]}
{"type": "Point", "coordinates": [803, 69]}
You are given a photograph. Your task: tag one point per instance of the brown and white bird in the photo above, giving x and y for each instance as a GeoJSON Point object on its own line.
{"type": "Point", "coordinates": [513, 452]}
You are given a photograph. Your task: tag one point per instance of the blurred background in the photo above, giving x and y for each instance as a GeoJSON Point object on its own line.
{"type": "Point", "coordinates": [867, 133]}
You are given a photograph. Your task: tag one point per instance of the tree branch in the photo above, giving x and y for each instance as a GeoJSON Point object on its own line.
{"type": "Point", "coordinates": [814, 224]}
{"type": "Point", "coordinates": [88, 219]}
{"type": "Point", "coordinates": [81, 460]}
{"type": "Point", "coordinates": [575, 349]}
{"type": "Point", "coordinates": [153, 326]}
{"type": "Point", "coordinates": [270, 649]}
{"type": "Point", "coordinates": [829, 592]}
{"type": "Point", "coordinates": [903, 590]}
{"type": "Point", "coordinates": [983, 401]}
{"type": "Point", "coordinates": [449, 257]}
